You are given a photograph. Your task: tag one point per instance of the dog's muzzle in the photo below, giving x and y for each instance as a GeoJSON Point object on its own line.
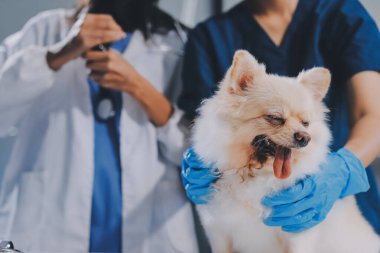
{"type": "Point", "coordinates": [264, 147]}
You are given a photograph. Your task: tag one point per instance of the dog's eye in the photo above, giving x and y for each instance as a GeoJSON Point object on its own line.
{"type": "Point", "coordinates": [275, 120]}
{"type": "Point", "coordinates": [305, 123]}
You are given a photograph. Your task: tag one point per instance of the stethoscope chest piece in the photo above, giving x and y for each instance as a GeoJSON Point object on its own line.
{"type": "Point", "coordinates": [105, 109]}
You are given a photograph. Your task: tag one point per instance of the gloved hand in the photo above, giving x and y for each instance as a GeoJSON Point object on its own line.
{"type": "Point", "coordinates": [308, 202]}
{"type": "Point", "coordinates": [197, 177]}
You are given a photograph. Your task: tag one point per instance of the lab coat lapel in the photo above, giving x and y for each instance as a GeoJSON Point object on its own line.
{"type": "Point", "coordinates": [135, 47]}
{"type": "Point", "coordinates": [132, 111]}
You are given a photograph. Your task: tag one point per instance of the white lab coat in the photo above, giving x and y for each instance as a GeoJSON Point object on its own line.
{"type": "Point", "coordinates": [46, 187]}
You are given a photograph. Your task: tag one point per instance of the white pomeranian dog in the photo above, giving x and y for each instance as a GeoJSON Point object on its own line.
{"type": "Point", "coordinates": [286, 116]}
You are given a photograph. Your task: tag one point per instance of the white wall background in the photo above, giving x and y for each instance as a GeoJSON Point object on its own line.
{"type": "Point", "coordinates": [373, 6]}
{"type": "Point", "coordinates": [14, 13]}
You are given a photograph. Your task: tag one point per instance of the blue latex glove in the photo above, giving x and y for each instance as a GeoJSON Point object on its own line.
{"type": "Point", "coordinates": [308, 202]}
{"type": "Point", "coordinates": [197, 177]}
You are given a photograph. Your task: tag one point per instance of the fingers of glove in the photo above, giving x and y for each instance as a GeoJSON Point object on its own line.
{"type": "Point", "coordinates": [193, 161]}
{"type": "Point", "coordinates": [290, 195]}
{"type": "Point", "coordinates": [297, 228]}
{"type": "Point", "coordinates": [293, 209]}
{"type": "Point", "coordinates": [204, 177]}
{"type": "Point", "coordinates": [198, 195]}
{"type": "Point", "coordinates": [198, 176]}
{"type": "Point", "coordinates": [298, 219]}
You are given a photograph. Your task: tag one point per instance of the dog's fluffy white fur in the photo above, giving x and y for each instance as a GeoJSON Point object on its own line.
{"type": "Point", "coordinates": [222, 136]}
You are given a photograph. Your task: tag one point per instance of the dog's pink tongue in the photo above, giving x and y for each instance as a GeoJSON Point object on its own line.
{"type": "Point", "coordinates": [281, 164]}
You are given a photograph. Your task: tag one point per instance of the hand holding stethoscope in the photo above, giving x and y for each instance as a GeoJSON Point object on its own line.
{"type": "Point", "coordinates": [113, 74]}
{"type": "Point", "coordinates": [94, 29]}
{"type": "Point", "coordinates": [108, 68]}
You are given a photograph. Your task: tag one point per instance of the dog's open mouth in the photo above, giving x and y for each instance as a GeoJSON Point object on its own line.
{"type": "Point", "coordinates": [265, 147]}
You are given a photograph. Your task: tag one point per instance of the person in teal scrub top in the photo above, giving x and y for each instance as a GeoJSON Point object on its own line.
{"type": "Point", "coordinates": [288, 37]}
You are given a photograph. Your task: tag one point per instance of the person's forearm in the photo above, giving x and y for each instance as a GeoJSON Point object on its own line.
{"type": "Point", "coordinates": [112, 71]}
{"type": "Point", "coordinates": [156, 106]}
{"type": "Point", "coordinates": [55, 61]}
{"type": "Point", "coordinates": [364, 139]}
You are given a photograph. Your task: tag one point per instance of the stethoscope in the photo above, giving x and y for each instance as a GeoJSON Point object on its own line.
{"type": "Point", "coordinates": [105, 109]}
{"type": "Point", "coordinates": [104, 106]}
{"type": "Point", "coordinates": [105, 103]}
{"type": "Point", "coordinates": [104, 100]}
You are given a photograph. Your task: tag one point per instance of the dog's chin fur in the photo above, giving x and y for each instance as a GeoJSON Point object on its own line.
{"type": "Point", "coordinates": [223, 134]}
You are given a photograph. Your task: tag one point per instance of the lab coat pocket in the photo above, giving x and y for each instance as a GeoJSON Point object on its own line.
{"type": "Point", "coordinates": [29, 213]}
{"type": "Point", "coordinates": [179, 219]}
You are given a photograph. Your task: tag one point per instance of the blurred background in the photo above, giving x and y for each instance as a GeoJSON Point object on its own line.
{"type": "Point", "coordinates": [14, 14]}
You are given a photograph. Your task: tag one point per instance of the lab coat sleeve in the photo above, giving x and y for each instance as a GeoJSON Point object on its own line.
{"type": "Point", "coordinates": [23, 78]}
{"type": "Point", "coordinates": [24, 73]}
{"type": "Point", "coordinates": [173, 136]}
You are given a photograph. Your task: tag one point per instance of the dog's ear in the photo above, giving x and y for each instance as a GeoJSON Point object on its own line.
{"type": "Point", "coordinates": [317, 80]}
{"type": "Point", "coordinates": [243, 71]}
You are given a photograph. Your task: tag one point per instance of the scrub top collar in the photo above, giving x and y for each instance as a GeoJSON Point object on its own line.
{"type": "Point", "coordinates": [249, 25]}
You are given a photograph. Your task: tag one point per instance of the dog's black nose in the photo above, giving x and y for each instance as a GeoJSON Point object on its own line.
{"type": "Point", "coordinates": [302, 139]}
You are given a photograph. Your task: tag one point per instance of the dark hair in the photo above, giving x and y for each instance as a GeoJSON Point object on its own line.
{"type": "Point", "coordinates": [131, 15]}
